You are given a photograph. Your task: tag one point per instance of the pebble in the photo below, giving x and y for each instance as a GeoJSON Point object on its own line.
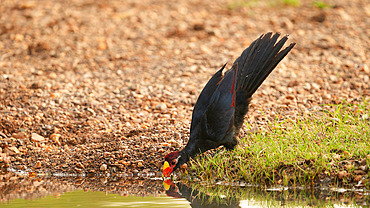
{"type": "Point", "coordinates": [11, 150]}
{"type": "Point", "coordinates": [357, 178]}
{"type": "Point", "coordinates": [174, 143]}
{"type": "Point", "coordinates": [55, 137]}
{"type": "Point", "coordinates": [79, 165]}
{"type": "Point", "coordinates": [176, 135]}
{"type": "Point", "coordinates": [364, 168]}
{"type": "Point", "coordinates": [359, 172]}
{"type": "Point", "coordinates": [126, 163]}
{"type": "Point", "coordinates": [103, 167]}
{"type": "Point", "coordinates": [37, 138]}
{"type": "Point", "coordinates": [161, 106]}
{"type": "Point", "coordinates": [19, 135]}
{"type": "Point", "coordinates": [336, 156]}
{"type": "Point", "coordinates": [316, 86]}
{"type": "Point", "coordinates": [342, 174]}
{"type": "Point", "coordinates": [205, 49]}
{"type": "Point", "coordinates": [38, 165]}
{"type": "Point", "coordinates": [366, 68]}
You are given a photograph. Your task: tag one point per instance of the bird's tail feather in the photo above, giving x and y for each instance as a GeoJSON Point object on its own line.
{"type": "Point", "coordinates": [254, 65]}
{"type": "Point", "coordinates": [259, 60]}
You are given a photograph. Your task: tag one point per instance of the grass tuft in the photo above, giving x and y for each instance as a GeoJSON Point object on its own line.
{"type": "Point", "coordinates": [234, 5]}
{"type": "Point", "coordinates": [330, 145]}
{"type": "Point", "coordinates": [321, 4]}
{"type": "Point", "coordinates": [293, 3]}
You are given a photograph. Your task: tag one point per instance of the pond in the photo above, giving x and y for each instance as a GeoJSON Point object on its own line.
{"type": "Point", "coordinates": [61, 190]}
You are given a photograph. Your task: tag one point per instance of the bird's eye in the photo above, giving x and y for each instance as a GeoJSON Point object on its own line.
{"type": "Point", "coordinates": [173, 162]}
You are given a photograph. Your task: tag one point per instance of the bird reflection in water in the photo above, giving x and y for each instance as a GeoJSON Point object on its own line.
{"type": "Point", "coordinates": [197, 198]}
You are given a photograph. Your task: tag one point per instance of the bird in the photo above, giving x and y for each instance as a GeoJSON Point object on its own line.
{"type": "Point", "coordinates": [198, 198]}
{"type": "Point", "coordinates": [219, 111]}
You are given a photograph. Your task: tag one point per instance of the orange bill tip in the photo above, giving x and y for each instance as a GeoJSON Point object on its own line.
{"type": "Point", "coordinates": [167, 172]}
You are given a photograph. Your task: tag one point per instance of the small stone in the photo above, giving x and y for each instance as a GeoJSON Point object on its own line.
{"type": "Point", "coordinates": [102, 45]}
{"type": "Point", "coordinates": [78, 170]}
{"type": "Point", "coordinates": [315, 86]}
{"type": "Point", "coordinates": [103, 167]}
{"type": "Point", "coordinates": [344, 15]}
{"type": "Point", "coordinates": [364, 167]}
{"type": "Point", "coordinates": [205, 49]}
{"type": "Point", "coordinates": [293, 83]}
{"type": "Point", "coordinates": [342, 174]}
{"type": "Point", "coordinates": [174, 143]}
{"type": "Point", "coordinates": [19, 135]}
{"type": "Point", "coordinates": [347, 154]}
{"type": "Point", "coordinates": [357, 178]}
{"type": "Point", "coordinates": [198, 27]}
{"type": "Point", "coordinates": [35, 86]}
{"type": "Point", "coordinates": [336, 156]}
{"type": "Point", "coordinates": [38, 165]}
{"type": "Point", "coordinates": [126, 163]}
{"type": "Point", "coordinates": [139, 164]}
{"type": "Point", "coordinates": [19, 37]}
{"type": "Point", "coordinates": [307, 86]}
{"type": "Point", "coordinates": [79, 165]}
{"type": "Point", "coordinates": [161, 106]}
{"type": "Point", "coordinates": [319, 17]}
{"type": "Point", "coordinates": [290, 97]}
{"type": "Point", "coordinates": [176, 135]}
{"type": "Point", "coordinates": [359, 172]}
{"type": "Point", "coordinates": [55, 137]}
{"type": "Point", "coordinates": [11, 150]}
{"type": "Point", "coordinates": [365, 68]}
{"type": "Point", "coordinates": [27, 5]}
{"type": "Point", "coordinates": [53, 75]}
{"type": "Point", "coordinates": [128, 124]}
{"type": "Point", "coordinates": [348, 167]}
{"type": "Point", "coordinates": [37, 138]}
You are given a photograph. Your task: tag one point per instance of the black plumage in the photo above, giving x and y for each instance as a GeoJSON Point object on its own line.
{"type": "Point", "coordinates": [223, 103]}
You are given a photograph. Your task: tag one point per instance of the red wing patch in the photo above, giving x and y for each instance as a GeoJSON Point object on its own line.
{"type": "Point", "coordinates": [232, 90]}
{"type": "Point", "coordinates": [233, 102]}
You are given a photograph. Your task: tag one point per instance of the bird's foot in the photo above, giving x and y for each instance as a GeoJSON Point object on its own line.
{"type": "Point", "coordinates": [230, 145]}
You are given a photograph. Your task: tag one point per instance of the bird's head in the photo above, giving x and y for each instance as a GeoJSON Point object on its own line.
{"type": "Point", "coordinates": [171, 163]}
{"type": "Point", "coordinates": [171, 189]}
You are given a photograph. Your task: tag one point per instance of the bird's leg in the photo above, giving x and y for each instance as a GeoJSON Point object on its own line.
{"type": "Point", "coordinates": [231, 145]}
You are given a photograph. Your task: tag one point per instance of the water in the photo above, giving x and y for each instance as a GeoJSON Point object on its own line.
{"type": "Point", "coordinates": [61, 190]}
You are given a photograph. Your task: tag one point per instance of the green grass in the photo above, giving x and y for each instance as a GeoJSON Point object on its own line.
{"type": "Point", "coordinates": [291, 2]}
{"type": "Point", "coordinates": [296, 152]}
{"type": "Point", "coordinates": [241, 4]}
{"type": "Point", "coordinates": [237, 4]}
{"type": "Point", "coordinates": [321, 4]}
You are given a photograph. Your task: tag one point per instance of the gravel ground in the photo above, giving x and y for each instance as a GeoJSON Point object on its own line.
{"type": "Point", "coordinates": [109, 86]}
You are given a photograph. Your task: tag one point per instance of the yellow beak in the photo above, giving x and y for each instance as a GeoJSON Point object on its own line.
{"type": "Point", "coordinates": [167, 170]}
{"type": "Point", "coordinates": [167, 184]}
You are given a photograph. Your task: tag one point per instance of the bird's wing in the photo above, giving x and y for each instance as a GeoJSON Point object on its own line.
{"type": "Point", "coordinates": [204, 98]}
{"type": "Point", "coordinates": [218, 119]}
